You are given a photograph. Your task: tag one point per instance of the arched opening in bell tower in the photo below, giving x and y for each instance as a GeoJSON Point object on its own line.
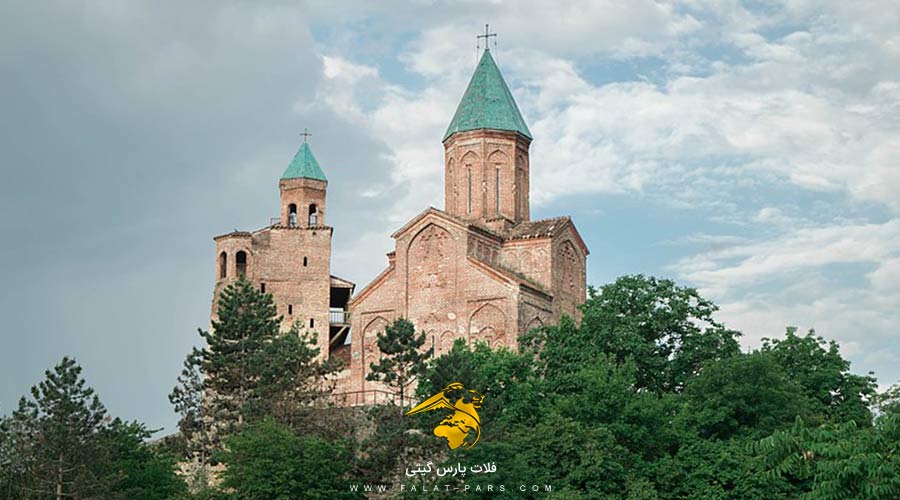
{"type": "Point", "coordinates": [240, 263]}
{"type": "Point", "coordinates": [292, 215]}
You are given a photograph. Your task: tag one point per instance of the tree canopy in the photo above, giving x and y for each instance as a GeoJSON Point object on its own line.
{"type": "Point", "coordinates": [647, 397]}
{"type": "Point", "coordinates": [61, 443]}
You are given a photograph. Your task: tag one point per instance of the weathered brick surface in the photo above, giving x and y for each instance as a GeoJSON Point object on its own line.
{"type": "Point", "coordinates": [480, 270]}
{"type": "Point", "coordinates": [474, 162]}
{"type": "Point", "coordinates": [302, 193]}
{"type": "Point", "coordinates": [293, 262]}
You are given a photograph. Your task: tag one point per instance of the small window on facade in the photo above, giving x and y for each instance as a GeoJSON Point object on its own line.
{"type": "Point", "coordinates": [292, 215]}
{"type": "Point", "coordinates": [304, 261]}
{"type": "Point", "coordinates": [313, 214]}
{"type": "Point", "coordinates": [240, 263]}
{"type": "Point", "coordinates": [312, 323]}
{"type": "Point", "coordinates": [262, 287]}
{"type": "Point", "coordinates": [223, 265]}
{"type": "Point", "coordinates": [290, 309]}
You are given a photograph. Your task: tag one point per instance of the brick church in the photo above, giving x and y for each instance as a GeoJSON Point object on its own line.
{"type": "Point", "coordinates": [480, 269]}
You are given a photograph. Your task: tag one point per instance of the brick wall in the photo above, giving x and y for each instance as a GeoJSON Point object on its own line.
{"type": "Point", "coordinates": [474, 162]}
{"type": "Point", "coordinates": [295, 266]}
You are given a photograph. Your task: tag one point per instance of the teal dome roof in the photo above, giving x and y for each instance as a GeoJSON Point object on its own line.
{"type": "Point", "coordinates": [487, 103]}
{"type": "Point", "coordinates": [305, 165]}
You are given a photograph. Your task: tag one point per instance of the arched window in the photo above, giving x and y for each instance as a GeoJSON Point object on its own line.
{"type": "Point", "coordinates": [304, 261]}
{"type": "Point", "coordinates": [292, 215]}
{"type": "Point", "coordinates": [312, 323]}
{"type": "Point", "coordinates": [240, 263]}
{"type": "Point", "coordinates": [290, 309]}
{"type": "Point", "coordinates": [262, 288]}
{"type": "Point", "coordinates": [313, 214]}
{"type": "Point", "coordinates": [223, 265]}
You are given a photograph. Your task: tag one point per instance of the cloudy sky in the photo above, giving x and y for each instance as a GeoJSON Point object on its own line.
{"type": "Point", "coordinates": [749, 149]}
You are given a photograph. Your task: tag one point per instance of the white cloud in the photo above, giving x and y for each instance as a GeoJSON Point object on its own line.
{"type": "Point", "coordinates": [800, 98]}
{"type": "Point", "coordinates": [796, 250]}
{"type": "Point", "coordinates": [765, 285]}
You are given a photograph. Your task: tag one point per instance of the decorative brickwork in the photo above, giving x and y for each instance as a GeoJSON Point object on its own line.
{"type": "Point", "coordinates": [479, 270]}
{"type": "Point", "coordinates": [291, 259]}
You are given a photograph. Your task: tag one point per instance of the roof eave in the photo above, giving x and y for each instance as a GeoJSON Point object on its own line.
{"type": "Point", "coordinates": [450, 134]}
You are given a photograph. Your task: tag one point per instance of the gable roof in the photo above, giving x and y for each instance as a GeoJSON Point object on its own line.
{"type": "Point", "coordinates": [487, 103]}
{"type": "Point", "coordinates": [305, 165]}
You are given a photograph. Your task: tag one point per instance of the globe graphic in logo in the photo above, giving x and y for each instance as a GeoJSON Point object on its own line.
{"type": "Point", "coordinates": [462, 426]}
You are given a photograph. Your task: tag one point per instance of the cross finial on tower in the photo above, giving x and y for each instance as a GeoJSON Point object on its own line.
{"type": "Point", "coordinates": [305, 134]}
{"type": "Point", "coordinates": [487, 36]}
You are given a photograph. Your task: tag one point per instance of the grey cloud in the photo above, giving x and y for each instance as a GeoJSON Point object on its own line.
{"type": "Point", "coordinates": [131, 134]}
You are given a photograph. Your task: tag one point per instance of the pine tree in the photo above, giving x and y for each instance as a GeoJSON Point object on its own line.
{"type": "Point", "coordinates": [188, 398]}
{"type": "Point", "coordinates": [403, 361]}
{"type": "Point", "coordinates": [56, 436]}
{"type": "Point", "coordinates": [248, 371]}
{"type": "Point", "coordinates": [291, 379]}
{"type": "Point", "coordinates": [61, 443]}
{"type": "Point", "coordinates": [247, 321]}
{"type": "Point", "coordinates": [12, 463]}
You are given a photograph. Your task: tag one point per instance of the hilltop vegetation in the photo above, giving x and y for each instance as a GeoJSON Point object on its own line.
{"type": "Point", "coordinates": [649, 397]}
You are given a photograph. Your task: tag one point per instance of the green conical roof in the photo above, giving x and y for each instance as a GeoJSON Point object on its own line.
{"type": "Point", "coordinates": [304, 164]}
{"type": "Point", "coordinates": [487, 103]}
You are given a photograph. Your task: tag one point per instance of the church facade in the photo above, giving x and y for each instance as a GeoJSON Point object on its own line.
{"type": "Point", "coordinates": [480, 269]}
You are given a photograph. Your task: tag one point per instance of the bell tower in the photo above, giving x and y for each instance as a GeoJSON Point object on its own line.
{"type": "Point", "coordinates": [486, 151]}
{"type": "Point", "coordinates": [303, 187]}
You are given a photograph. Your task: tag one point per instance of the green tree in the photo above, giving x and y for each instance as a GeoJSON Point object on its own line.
{"type": "Point", "coordinates": [838, 460]}
{"type": "Point", "coordinates": [403, 359]}
{"type": "Point", "coordinates": [667, 330]}
{"type": "Point", "coordinates": [246, 320]}
{"type": "Point", "coordinates": [748, 395]}
{"type": "Point", "coordinates": [56, 436]}
{"type": "Point", "coordinates": [249, 370]}
{"type": "Point", "coordinates": [704, 469]}
{"type": "Point", "coordinates": [824, 375]}
{"type": "Point", "coordinates": [269, 461]}
{"type": "Point", "coordinates": [12, 467]}
{"type": "Point", "coordinates": [187, 397]}
{"type": "Point", "coordinates": [888, 402]}
{"type": "Point", "coordinates": [140, 472]}
{"type": "Point", "coordinates": [650, 398]}
{"type": "Point", "coordinates": [61, 443]}
{"type": "Point", "coordinates": [292, 380]}
{"type": "Point", "coordinates": [505, 378]}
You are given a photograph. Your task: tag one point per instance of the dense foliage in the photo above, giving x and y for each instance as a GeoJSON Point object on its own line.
{"type": "Point", "coordinates": [61, 443]}
{"type": "Point", "coordinates": [248, 370]}
{"type": "Point", "coordinates": [648, 397]}
{"type": "Point", "coordinates": [651, 398]}
{"type": "Point", "coordinates": [269, 461]}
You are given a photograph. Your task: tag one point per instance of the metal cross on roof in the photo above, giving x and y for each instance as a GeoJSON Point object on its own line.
{"type": "Point", "coordinates": [305, 134]}
{"type": "Point", "coordinates": [487, 36]}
